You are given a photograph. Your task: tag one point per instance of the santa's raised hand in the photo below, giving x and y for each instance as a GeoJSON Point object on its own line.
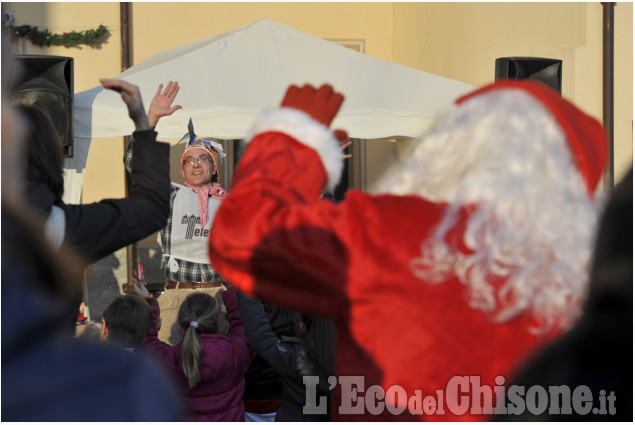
{"type": "Point", "coordinates": [321, 104]}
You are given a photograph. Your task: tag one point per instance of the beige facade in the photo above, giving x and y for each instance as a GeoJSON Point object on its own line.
{"type": "Point", "coordinates": [463, 40]}
{"type": "Point", "coordinates": [454, 40]}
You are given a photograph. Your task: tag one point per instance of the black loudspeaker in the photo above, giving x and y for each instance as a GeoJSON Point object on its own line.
{"type": "Point", "coordinates": [47, 82]}
{"type": "Point", "coordinates": [548, 71]}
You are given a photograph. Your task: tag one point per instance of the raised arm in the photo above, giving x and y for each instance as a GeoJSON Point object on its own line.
{"type": "Point", "coordinates": [131, 96]}
{"type": "Point", "coordinates": [160, 106]}
{"type": "Point", "coordinates": [101, 228]}
{"type": "Point", "coordinates": [261, 337]}
{"type": "Point", "coordinates": [169, 354]}
{"type": "Point", "coordinates": [271, 237]}
{"type": "Point", "coordinates": [237, 332]}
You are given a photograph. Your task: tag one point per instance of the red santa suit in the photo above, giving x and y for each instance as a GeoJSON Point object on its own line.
{"type": "Point", "coordinates": [353, 262]}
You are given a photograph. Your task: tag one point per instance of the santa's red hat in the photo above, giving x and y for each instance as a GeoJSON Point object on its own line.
{"type": "Point", "coordinates": [584, 133]}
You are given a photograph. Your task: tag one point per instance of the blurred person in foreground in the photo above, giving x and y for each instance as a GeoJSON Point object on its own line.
{"type": "Point", "coordinates": [596, 355]}
{"type": "Point", "coordinates": [469, 257]}
{"type": "Point", "coordinates": [42, 364]}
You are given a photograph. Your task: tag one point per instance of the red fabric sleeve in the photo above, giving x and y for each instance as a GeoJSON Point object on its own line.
{"type": "Point", "coordinates": [271, 236]}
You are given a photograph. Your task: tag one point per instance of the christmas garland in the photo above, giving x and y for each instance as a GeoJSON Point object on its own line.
{"type": "Point", "coordinates": [67, 39]}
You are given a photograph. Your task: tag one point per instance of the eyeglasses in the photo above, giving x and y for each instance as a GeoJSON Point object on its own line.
{"type": "Point", "coordinates": [200, 160]}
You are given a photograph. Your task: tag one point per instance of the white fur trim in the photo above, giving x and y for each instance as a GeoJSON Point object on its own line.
{"type": "Point", "coordinates": [307, 131]}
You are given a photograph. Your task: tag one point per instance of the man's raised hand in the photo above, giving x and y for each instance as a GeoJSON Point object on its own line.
{"type": "Point", "coordinates": [161, 105]}
{"type": "Point", "coordinates": [131, 96]}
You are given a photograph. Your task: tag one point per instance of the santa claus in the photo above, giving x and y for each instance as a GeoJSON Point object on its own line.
{"type": "Point", "coordinates": [467, 258]}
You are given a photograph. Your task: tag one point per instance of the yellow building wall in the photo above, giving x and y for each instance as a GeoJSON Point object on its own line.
{"type": "Point", "coordinates": [623, 129]}
{"type": "Point", "coordinates": [160, 26]}
{"type": "Point", "coordinates": [463, 40]}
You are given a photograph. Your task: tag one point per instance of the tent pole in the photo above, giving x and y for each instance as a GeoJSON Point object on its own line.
{"type": "Point", "coordinates": [228, 165]}
{"type": "Point", "coordinates": [126, 62]}
{"type": "Point", "coordinates": [608, 87]}
{"type": "Point", "coordinates": [359, 164]}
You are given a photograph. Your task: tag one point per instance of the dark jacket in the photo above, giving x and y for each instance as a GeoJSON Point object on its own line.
{"type": "Point", "coordinates": [101, 228]}
{"type": "Point", "coordinates": [282, 354]}
{"type": "Point", "coordinates": [263, 385]}
{"type": "Point", "coordinates": [224, 360]}
{"type": "Point", "coordinates": [46, 374]}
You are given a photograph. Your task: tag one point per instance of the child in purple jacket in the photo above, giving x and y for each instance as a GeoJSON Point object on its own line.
{"type": "Point", "coordinates": [211, 359]}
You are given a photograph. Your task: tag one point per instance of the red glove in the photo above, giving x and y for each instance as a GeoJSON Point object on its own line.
{"type": "Point", "coordinates": [321, 104]}
{"type": "Point", "coordinates": [341, 136]}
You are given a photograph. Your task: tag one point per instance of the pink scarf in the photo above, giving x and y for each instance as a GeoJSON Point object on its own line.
{"type": "Point", "coordinates": [215, 191]}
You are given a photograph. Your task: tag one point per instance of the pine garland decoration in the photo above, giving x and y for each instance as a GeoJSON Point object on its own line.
{"type": "Point", "coordinates": [46, 38]}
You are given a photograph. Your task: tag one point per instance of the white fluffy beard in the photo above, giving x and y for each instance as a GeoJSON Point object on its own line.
{"type": "Point", "coordinates": [534, 225]}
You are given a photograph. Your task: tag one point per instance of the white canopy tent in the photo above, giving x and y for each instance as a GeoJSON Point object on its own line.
{"type": "Point", "coordinates": [227, 80]}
